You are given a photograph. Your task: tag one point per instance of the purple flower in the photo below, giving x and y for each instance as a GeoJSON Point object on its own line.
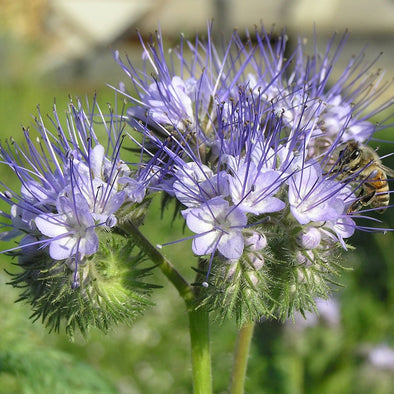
{"type": "Point", "coordinates": [196, 183]}
{"type": "Point", "coordinates": [88, 177]}
{"type": "Point", "coordinates": [170, 103]}
{"type": "Point", "coordinates": [243, 136]}
{"type": "Point", "coordinates": [71, 231]}
{"type": "Point", "coordinates": [70, 184]}
{"type": "Point", "coordinates": [309, 238]}
{"type": "Point", "coordinates": [382, 357]}
{"type": "Point", "coordinates": [251, 189]}
{"type": "Point", "coordinates": [314, 199]}
{"type": "Point", "coordinates": [348, 102]}
{"type": "Point", "coordinates": [241, 125]}
{"type": "Point", "coordinates": [219, 227]}
{"type": "Point", "coordinates": [183, 93]}
{"type": "Point", "coordinates": [256, 241]}
{"type": "Point", "coordinates": [344, 227]}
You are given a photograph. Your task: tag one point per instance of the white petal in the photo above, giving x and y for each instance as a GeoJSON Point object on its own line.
{"type": "Point", "coordinates": [97, 160]}
{"type": "Point", "coordinates": [62, 248]}
{"type": "Point", "coordinates": [89, 244]}
{"type": "Point", "coordinates": [199, 220]}
{"type": "Point", "coordinates": [205, 244]}
{"type": "Point", "coordinates": [231, 245]}
{"type": "Point", "coordinates": [51, 225]}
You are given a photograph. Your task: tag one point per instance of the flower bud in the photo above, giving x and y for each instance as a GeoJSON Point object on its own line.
{"type": "Point", "coordinates": [256, 241]}
{"type": "Point", "coordinates": [309, 238]}
{"type": "Point", "coordinates": [257, 260]}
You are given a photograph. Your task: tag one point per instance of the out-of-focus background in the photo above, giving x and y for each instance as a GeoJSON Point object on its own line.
{"type": "Point", "coordinates": [56, 48]}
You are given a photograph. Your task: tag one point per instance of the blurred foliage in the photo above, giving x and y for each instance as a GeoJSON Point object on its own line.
{"type": "Point", "coordinates": [152, 356]}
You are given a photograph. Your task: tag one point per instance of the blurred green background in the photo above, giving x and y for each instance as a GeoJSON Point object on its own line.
{"type": "Point", "coordinates": [152, 356]}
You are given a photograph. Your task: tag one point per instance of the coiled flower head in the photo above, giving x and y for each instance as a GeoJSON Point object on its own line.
{"type": "Point", "coordinates": [248, 142]}
{"type": "Point", "coordinates": [74, 190]}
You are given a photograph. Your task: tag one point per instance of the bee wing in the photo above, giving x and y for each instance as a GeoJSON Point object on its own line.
{"type": "Point", "coordinates": [388, 171]}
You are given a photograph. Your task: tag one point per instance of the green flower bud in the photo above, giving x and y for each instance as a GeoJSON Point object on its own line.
{"type": "Point", "coordinates": [292, 268]}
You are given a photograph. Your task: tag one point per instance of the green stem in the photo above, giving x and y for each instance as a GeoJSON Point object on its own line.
{"type": "Point", "coordinates": [241, 354]}
{"type": "Point", "coordinates": [201, 356]}
{"type": "Point", "coordinates": [198, 319]}
{"type": "Point", "coordinates": [184, 289]}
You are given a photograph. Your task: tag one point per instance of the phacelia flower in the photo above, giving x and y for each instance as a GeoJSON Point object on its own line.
{"type": "Point", "coordinates": [382, 357]}
{"type": "Point", "coordinates": [71, 231]}
{"type": "Point", "coordinates": [252, 189]}
{"type": "Point", "coordinates": [74, 191]}
{"type": "Point", "coordinates": [314, 199]}
{"type": "Point", "coordinates": [246, 138]}
{"type": "Point", "coordinates": [247, 142]}
{"type": "Point", "coordinates": [219, 227]}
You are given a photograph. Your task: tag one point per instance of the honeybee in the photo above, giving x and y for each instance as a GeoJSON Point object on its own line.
{"type": "Point", "coordinates": [363, 164]}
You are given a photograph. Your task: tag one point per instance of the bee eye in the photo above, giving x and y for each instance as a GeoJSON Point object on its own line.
{"type": "Point", "coordinates": [355, 154]}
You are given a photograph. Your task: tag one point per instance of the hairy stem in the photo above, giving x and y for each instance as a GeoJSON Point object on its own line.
{"type": "Point", "coordinates": [241, 354]}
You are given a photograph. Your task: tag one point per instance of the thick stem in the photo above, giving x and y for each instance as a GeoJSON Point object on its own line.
{"type": "Point", "coordinates": [201, 356]}
{"type": "Point", "coordinates": [241, 354]}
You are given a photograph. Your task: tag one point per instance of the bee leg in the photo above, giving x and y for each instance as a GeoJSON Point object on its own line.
{"type": "Point", "coordinates": [362, 201]}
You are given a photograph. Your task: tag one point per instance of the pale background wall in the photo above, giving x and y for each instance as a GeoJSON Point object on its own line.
{"type": "Point", "coordinates": [73, 37]}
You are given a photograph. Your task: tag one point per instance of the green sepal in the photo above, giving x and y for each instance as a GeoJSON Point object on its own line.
{"type": "Point", "coordinates": [134, 211]}
{"type": "Point", "coordinates": [281, 286]}
{"type": "Point", "coordinates": [111, 288]}
{"type": "Point", "coordinates": [236, 290]}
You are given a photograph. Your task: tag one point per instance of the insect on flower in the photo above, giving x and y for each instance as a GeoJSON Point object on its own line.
{"type": "Point", "coordinates": [364, 164]}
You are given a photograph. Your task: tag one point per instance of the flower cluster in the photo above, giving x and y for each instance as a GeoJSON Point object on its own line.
{"type": "Point", "coordinates": [73, 191]}
{"type": "Point", "coordinates": [250, 144]}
